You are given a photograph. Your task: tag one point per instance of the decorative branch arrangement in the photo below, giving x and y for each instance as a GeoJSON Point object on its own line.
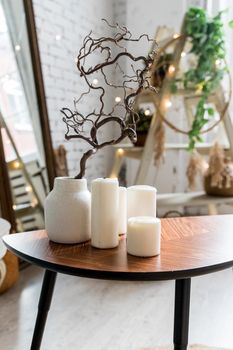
{"type": "Point", "coordinates": [113, 49]}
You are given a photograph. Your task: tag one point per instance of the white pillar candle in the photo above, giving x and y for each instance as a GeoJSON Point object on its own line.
{"type": "Point", "coordinates": [104, 213]}
{"type": "Point", "coordinates": [143, 236]}
{"type": "Point", "coordinates": [141, 201]}
{"type": "Point", "coordinates": [122, 213]}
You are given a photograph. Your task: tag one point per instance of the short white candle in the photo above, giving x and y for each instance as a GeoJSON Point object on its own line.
{"type": "Point", "coordinates": [122, 214]}
{"type": "Point", "coordinates": [143, 236]}
{"type": "Point", "coordinates": [104, 213]}
{"type": "Point", "coordinates": [141, 201]}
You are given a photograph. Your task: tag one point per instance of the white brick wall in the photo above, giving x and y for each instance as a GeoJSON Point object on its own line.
{"type": "Point", "coordinates": [71, 20]}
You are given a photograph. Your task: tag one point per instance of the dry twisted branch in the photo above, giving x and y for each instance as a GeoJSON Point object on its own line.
{"type": "Point", "coordinates": [108, 47]}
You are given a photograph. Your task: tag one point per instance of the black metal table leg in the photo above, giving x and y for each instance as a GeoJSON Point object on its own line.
{"type": "Point", "coordinates": [43, 307]}
{"type": "Point", "coordinates": [181, 315]}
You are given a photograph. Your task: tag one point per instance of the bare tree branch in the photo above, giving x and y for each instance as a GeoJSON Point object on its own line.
{"type": "Point", "coordinates": [130, 86]}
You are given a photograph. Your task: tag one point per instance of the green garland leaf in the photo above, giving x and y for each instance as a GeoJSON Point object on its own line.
{"type": "Point", "coordinates": [207, 39]}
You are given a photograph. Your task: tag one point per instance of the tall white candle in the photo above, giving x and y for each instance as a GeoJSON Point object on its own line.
{"type": "Point", "coordinates": [122, 213]}
{"type": "Point", "coordinates": [143, 236]}
{"type": "Point", "coordinates": [104, 213]}
{"type": "Point", "coordinates": [141, 201]}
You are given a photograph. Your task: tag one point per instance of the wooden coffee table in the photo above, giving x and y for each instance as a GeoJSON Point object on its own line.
{"type": "Point", "coordinates": [190, 246]}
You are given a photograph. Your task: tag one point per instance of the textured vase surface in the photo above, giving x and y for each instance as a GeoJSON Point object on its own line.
{"type": "Point", "coordinates": [68, 211]}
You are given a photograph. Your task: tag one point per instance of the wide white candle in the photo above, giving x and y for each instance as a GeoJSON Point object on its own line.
{"type": "Point", "coordinates": [141, 201]}
{"type": "Point", "coordinates": [143, 236]}
{"type": "Point", "coordinates": [122, 213]}
{"type": "Point", "coordinates": [104, 213]}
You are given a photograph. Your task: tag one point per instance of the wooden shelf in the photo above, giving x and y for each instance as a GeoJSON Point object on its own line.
{"type": "Point", "coordinates": [131, 151]}
{"type": "Point", "coordinates": [168, 146]}
{"type": "Point", "coordinates": [174, 200]}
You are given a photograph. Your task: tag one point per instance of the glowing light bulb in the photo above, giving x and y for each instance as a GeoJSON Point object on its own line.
{"type": "Point", "coordinates": [16, 164]}
{"type": "Point", "coordinates": [14, 206]}
{"type": "Point", "coordinates": [28, 188]}
{"type": "Point", "coordinates": [17, 47]}
{"type": "Point", "coordinates": [176, 35]}
{"type": "Point", "coordinates": [95, 81]}
{"type": "Point", "coordinates": [120, 151]}
{"type": "Point", "coordinates": [171, 69]}
{"type": "Point", "coordinates": [167, 103]}
{"type": "Point", "coordinates": [147, 112]}
{"type": "Point", "coordinates": [183, 54]}
{"type": "Point", "coordinates": [117, 99]}
{"type": "Point", "coordinates": [58, 37]}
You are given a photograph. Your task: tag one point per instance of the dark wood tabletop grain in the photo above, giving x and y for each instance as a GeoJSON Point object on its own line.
{"type": "Point", "coordinates": [190, 246]}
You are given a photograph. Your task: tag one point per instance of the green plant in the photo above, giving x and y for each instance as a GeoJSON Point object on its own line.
{"type": "Point", "coordinates": [207, 39]}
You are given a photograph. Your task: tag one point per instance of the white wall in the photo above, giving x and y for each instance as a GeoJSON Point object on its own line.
{"type": "Point", "coordinates": [72, 20]}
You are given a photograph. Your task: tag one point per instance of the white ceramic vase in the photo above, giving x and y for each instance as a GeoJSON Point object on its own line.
{"type": "Point", "coordinates": [68, 211]}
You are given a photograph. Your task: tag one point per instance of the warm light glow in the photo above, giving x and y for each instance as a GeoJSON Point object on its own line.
{"type": "Point", "coordinates": [16, 164]}
{"type": "Point", "coordinates": [14, 206]}
{"type": "Point", "coordinates": [17, 48]}
{"type": "Point", "coordinates": [183, 54]}
{"type": "Point", "coordinates": [147, 112]}
{"type": "Point", "coordinates": [199, 88]}
{"type": "Point", "coordinates": [117, 99]}
{"type": "Point", "coordinates": [58, 37]}
{"type": "Point", "coordinates": [34, 203]}
{"type": "Point", "coordinates": [167, 103]}
{"type": "Point", "coordinates": [176, 35]}
{"type": "Point", "coordinates": [95, 81]}
{"type": "Point", "coordinates": [218, 62]}
{"type": "Point", "coordinates": [205, 166]}
{"type": "Point", "coordinates": [28, 188]}
{"type": "Point", "coordinates": [8, 142]}
{"type": "Point", "coordinates": [120, 151]}
{"type": "Point", "coordinates": [171, 69]}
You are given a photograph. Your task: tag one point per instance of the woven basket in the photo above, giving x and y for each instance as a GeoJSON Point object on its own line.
{"type": "Point", "coordinates": [12, 271]}
{"type": "Point", "coordinates": [216, 191]}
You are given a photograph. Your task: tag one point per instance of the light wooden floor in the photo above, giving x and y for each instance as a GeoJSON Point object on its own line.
{"type": "Point", "coordinates": [100, 315]}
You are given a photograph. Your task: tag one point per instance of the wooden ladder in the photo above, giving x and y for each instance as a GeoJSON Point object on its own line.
{"type": "Point", "coordinates": [146, 154]}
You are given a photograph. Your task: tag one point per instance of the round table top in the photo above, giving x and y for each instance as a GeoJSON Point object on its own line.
{"type": "Point", "coordinates": [190, 246]}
